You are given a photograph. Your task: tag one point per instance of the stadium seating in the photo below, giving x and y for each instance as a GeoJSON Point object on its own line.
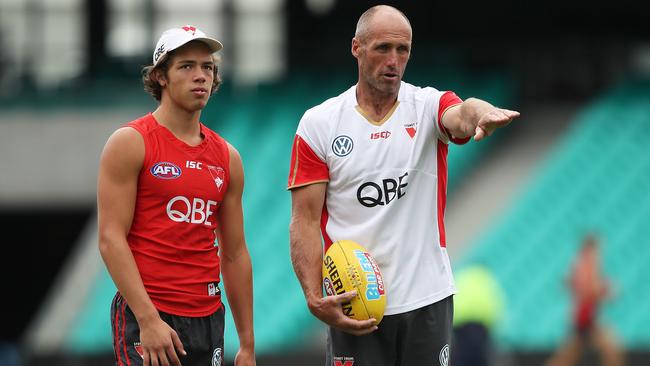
{"type": "Point", "coordinates": [595, 179]}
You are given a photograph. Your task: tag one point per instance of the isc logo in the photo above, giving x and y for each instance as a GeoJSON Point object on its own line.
{"type": "Point", "coordinates": [380, 135]}
{"type": "Point", "coordinates": [193, 164]}
{"type": "Point", "coordinates": [166, 170]}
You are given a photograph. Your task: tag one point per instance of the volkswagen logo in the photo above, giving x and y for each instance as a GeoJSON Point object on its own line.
{"type": "Point", "coordinates": [342, 145]}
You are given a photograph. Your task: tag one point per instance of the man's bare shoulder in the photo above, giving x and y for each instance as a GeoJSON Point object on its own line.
{"type": "Point", "coordinates": [124, 145]}
{"type": "Point", "coordinates": [124, 137]}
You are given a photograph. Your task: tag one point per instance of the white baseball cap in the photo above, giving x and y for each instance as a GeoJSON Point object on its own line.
{"type": "Point", "coordinates": [173, 38]}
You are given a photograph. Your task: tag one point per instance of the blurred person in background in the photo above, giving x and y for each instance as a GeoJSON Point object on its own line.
{"type": "Point", "coordinates": [589, 289]}
{"type": "Point", "coordinates": [370, 166]}
{"type": "Point", "coordinates": [167, 188]}
{"type": "Point", "coordinates": [478, 310]}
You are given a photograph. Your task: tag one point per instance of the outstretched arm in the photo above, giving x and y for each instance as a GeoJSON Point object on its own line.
{"type": "Point", "coordinates": [477, 118]}
{"type": "Point", "coordinates": [117, 181]}
{"type": "Point", "coordinates": [236, 265]}
{"type": "Point", "coordinates": [307, 259]}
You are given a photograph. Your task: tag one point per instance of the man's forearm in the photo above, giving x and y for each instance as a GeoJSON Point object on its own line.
{"type": "Point", "coordinates": [124, 272]}
{"type": "Point", "coordinates": [306, 258]}
{"type": "Point", "coordinates": [461, 121]}
{"type": "Point", "coordinates": [238, 283]}
{"type": "Point", "coordinates": [472, 109]}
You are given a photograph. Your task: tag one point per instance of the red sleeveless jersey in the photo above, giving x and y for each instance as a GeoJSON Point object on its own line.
{"type": "Point", "coordinates": [172, 237]}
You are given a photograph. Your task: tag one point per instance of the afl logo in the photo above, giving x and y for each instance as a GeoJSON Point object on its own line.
{"type": "Point", "coordinates": [444, 355]}
{"type": "Point", "coordinates": [342, 145]}
{"type": "Point", "coordinates": [165, 170]}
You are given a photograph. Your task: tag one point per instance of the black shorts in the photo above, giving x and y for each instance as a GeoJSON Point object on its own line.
{"type": "Point", "coordinates": [202, 337]}
{"type": "Point", "coordinates": [418, 337]}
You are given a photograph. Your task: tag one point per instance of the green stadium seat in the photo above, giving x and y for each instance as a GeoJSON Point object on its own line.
{"type": "Point", "coordinates": [597, 178]}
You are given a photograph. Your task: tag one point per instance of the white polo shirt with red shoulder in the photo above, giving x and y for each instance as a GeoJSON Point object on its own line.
{"type": "Point", "coordinates": [386, 186]}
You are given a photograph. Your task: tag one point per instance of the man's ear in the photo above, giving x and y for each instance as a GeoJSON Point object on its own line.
{"type": "Point", "coordinates": [355, 47]}
{"type": "Point", "coordinates": [160, 78]}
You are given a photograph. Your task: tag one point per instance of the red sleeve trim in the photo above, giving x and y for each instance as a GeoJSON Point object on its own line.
{"type": "Point", "coordinates": [441, 155]}
{"type": "Point", "coordinates": [306, 167]}
{"type": "Point", "coordinates": [448, 100]}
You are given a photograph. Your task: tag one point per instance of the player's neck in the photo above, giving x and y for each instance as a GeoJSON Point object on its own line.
{"type": "Point", "coordinates": [183, 124]}
{"type": "Point", "coordinates": [375, 105]}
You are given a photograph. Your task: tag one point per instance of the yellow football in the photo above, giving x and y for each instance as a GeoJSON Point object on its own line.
{"type": "Point", "coordinates": [348, 266]}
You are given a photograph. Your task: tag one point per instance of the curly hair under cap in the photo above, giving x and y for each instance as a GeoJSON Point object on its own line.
{"type": "Point", "coordinates": [153, 87]}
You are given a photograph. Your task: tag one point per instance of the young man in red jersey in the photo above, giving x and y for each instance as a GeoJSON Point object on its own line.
{"type": "Point", "coordinates": [167, 188]}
